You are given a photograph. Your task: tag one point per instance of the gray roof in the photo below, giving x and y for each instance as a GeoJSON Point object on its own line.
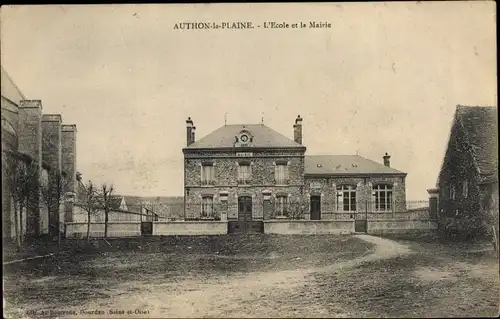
{"type": "Point", "coordinates": [9, 89]}
{"type": "Point", "coordinates": [164, 206]}
{"type": "Point", "coordinates": [480, 125]}
{"type": "Point", "coordinates": [263, 136]}
{"type": "Point", "coordinates": [344, 164]}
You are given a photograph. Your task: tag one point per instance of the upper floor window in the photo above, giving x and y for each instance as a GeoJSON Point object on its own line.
{"type": "Point", "coordinates": [207, 207]}
{"type": "Point", "coordinates": [244, 173]}
{"type": "Point", "coordinates": [346, 198]}
{"type": "Point", "coordinates": [207, 174]}
{"type": "Point", "coordinates": [465, 189]}
{"type": "Point", "coordinates": [281, 173]}
{"type": "Point", "coordinates": [383, 197]}
{"type": "Point", "coordinates": [281, 205]}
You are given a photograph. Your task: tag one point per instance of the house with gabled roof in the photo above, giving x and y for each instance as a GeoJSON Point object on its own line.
{"type": "Point", "coordinates": [469, 172]}
{"type": "Point", "coordinates": [250, 173]}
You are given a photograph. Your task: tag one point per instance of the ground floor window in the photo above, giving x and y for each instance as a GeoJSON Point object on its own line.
{"type": "Point", "coordinates": [383, 197]}
{"type": "Point", "coordinates": [281, 206]}
{"type": "Point", "coordinates": [346, 198]}
{"type": "Point", "coordinates": [207, 207]}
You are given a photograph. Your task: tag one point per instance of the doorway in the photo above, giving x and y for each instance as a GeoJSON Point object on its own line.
{"type": "Point", "coordinates": [315, 208]}
{"type": "Point", "coordinates": [245, 222]}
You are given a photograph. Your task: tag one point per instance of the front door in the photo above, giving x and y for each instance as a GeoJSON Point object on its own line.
{"type": "Point", "coordinates": [245, 213]}
{"type": "Point", "coordinates": [315, 207]}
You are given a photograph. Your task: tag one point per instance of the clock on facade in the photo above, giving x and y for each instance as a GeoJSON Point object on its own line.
{"type": "Point", "coordinates": [244, 138]}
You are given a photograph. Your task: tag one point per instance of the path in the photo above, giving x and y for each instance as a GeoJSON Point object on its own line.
{"type": "Point", "coordinates": [261, 294]}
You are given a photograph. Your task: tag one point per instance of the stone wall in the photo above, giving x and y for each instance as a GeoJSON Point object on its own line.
{"type": "Point", "coordinates": [51, 155]}
{"type": "Point", "coordinates": [115, 229]}
{"type": "Point", "coordinates": [176, 228]}
{"type": "Point", "coordinates": [226, 178]}
{"type": "Point", "coordinates": [389, 226]}
{"type": "Point", "coordinates": [30, 143]}
{"type": "Point", "coordinates": [298, 227]}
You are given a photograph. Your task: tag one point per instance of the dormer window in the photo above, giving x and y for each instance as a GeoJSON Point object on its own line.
{"type": "Point", "coordinates": [243, 139]}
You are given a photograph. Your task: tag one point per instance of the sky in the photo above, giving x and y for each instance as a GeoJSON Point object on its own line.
{"type": "Point", "coordinates": [385, 77]}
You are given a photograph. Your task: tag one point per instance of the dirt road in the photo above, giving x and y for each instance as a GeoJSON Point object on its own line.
{"type": "Point", "coordinates": [263, 294]}
{"type": "Point", "coordinates": [352, 276]}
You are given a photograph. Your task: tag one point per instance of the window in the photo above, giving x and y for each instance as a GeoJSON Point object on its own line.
{"type": "Point", "coordinates": [383, 197]}
{"type": "Point", "coordinates": [281, 173]}
{"type": "Point", "coordinates": [244, 173]}
{"type": "Point", "coordinates": [452, 192]}
{"type": "Point", "coordinates": [281, 205]}
{"type": "Point", "coordinates": [465, 189]}
{"type": "Point", "coordinates": [207, 207]}
{"type": "Point", "coordinates": [207, 174]}
{"type": "Point", "coordinates": [346, 198]}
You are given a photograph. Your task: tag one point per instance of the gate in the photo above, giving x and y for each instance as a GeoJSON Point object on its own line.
{"type": "Point", "coordinates": [245, 223]}
{"type": "Point", "coordinates": [360, 222]}
{"type": "Point", "coordinates": [146, 228]}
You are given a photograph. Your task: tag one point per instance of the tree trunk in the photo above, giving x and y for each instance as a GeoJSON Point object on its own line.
{"type": "Point", "coordinates": [21, 221]}
{"type": "Point", "coordinates": [58, 227]}
{"type": "Point", "coordinates": [106, 219]}
{"type": "Point", "coordinates": [17, 226]}
{"type": "Point", "coordinates": [88, 226]}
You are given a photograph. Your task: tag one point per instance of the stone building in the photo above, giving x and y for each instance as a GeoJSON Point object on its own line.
{"type": "Point", "coordinates": [466, 196]}
{"type": "Point", "coordinates": [250, 173]}
{"type": "Point", "coordinates": [40, 141]}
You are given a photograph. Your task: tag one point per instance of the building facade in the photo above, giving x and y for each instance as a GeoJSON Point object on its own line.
{"type": "Point", "coordinates": [43, 143]}
{"type": "Point", "coordinates": [468, 173]}
{"type": "Point", "coordinates": [250, 173]}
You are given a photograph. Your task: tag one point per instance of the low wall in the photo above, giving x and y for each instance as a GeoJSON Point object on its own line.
{"type": "Point", "coordinates": [291, 227]}
{"type": "Point", "coordinates": [115, 229]}
{"type": "Point", "coordinates": [173, 228]}
{"type": "Point", "coordinates": [386, 226]}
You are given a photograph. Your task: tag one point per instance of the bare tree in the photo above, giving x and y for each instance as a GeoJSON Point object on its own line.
{"type": "Point", "coordinates": [22, 179]}
{"type": "Point", "coordinates": [52, 191]}
{"type": "Point", "coordinates": [106, 193]}
{"type": "Point", "coordinates": [90, 203]}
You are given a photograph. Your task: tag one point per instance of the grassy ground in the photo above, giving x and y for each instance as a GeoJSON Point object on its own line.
{"type": "Point", "coordinates": [258, 275]}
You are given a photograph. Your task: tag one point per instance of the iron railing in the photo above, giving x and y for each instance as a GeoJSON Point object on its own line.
{"type": "Point", "coordinates": [291, 210]}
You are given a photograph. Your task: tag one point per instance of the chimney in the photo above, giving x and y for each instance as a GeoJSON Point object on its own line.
{"type": "Point", "coordinates": [297, 130]}
{"type": "Point", "coordinates": [189, 131]}
{"type": "Point", "coordinates": [387, 160]}
{"type": "Point", "coordinates": [193, 137]}
{"type": "Point", "coordinates": [30, 143]}
{"type": "Point", "coordinates": [68, 166]}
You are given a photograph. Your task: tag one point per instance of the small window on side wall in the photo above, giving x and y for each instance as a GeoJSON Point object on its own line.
{"type": "Point", "coordinates": [465, 189]}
